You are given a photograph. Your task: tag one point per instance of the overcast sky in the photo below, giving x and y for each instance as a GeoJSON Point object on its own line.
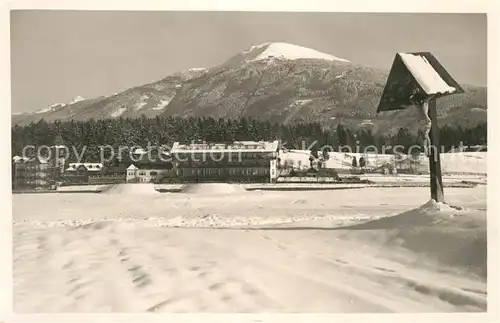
{"type": "Point", "coordinates": [58, 55]}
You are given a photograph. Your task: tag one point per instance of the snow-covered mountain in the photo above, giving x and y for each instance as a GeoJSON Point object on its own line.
{"type": "Point", "coordinates": [286, 51]}
{"type": "Point", "coordinates": [271, 52]}
{"type": "Point", "coordinates": [77, 99]}
{"type": "Point", "coordinates": [278, 82]}
{"type": "Point", "coordinates": [50, 108]}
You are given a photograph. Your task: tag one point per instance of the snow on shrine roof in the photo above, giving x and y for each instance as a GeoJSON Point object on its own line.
{"type": "Point", "coordinates": [425, 74]}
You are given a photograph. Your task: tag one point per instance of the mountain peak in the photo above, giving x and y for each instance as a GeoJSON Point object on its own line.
{"type": "Point", "coordinates": [286, 51]}
{"type": "Point", "coordinates": [197, 69]}
{"type": "Point", "coordinates": [56, 106]}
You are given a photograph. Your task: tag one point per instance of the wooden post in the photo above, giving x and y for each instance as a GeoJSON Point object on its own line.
{"type": "Point", "coordinates": [434, 158]}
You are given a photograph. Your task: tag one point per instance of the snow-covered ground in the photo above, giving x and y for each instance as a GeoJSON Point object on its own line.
{"type": "Point", "coordinates": [80, 188]}
{"type": "Point", "coordinates": [460, 162]}
{"type": "Point", "coordinates": [218, 248]}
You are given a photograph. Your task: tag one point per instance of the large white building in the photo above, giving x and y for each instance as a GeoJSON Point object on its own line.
{"type": "Point", "coordinates": [239, 161]}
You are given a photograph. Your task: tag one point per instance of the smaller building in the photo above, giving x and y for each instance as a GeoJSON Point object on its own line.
{"type": "Point", "coordinates": [149, 166]}
{"type": "Point", "coordinates": [147, 173]}
{"type": "Point", "coordinates": [79, 173]}
{"type": "Point", "coordinates": [132, 173]}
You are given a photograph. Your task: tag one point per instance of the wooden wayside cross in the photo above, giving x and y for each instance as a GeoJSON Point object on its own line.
{"type": "Point", "coordinates": [417, 80]}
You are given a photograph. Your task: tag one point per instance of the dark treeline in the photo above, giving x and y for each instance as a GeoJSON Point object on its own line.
{"type": "Point", "coordinates": [165, 130]}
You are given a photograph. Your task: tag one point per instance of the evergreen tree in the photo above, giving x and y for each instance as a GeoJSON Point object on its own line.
{"type": "Point", "coordinates": [341, 135]}
{"type": "Point", "coordinates": [59, 141]}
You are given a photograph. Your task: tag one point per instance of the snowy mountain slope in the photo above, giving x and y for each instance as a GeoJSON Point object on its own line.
{"type": "Point", "coordinates": [77, 99]}
{"type": "Point", "coordinates": [149, 99]}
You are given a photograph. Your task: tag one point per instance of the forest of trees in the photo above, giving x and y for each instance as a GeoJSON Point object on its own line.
{"type": "Point", "coordinates": [165, 130]}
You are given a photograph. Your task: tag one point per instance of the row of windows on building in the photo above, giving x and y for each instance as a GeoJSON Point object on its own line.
{"type": "Point", "coordinates": [221, 147]}
{"type": "Point", "coordinates": [37, 167]}
{"type": "Point", "coordinates": [231, 156]}
{"type": "Point", "coordinates": [232, 171]}
{"type": "Point", "coordinates": [143, 173]}
{"type": "Point", "coordinates": [33, 174]}
{"type": "Point", "coordinates": [226, 163]}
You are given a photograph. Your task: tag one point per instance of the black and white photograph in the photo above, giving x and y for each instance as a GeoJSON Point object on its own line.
{"type": "Point", "coordinates": [248, 162]}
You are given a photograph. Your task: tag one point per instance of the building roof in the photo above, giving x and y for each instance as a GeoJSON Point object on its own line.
{"type": "Point", "coordinates": [151, 166]}
{"type": "Point", "coordinates": [91, 167]}
{"type": "Point", "coordinates": [19, 159]}
{"type": "Point", "coordinates": [152, 150]}
{"type": "Point", "coordinates": [237, 146]}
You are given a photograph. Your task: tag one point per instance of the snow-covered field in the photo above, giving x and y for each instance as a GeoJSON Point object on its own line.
{"type": "Point", "coordinates": [223, 249]}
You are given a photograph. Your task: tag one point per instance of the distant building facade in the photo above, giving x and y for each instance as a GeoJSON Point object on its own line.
{"type": "Point", "coordinates": [79, 173]}
{"type": "Point", "coordinates": [110, 175]}
{"type": "Point", "coordinates": [39, 171]}
{"type": "Point", "coordinates": [34, 172]}
{"type": "Point", "coordinates": [148, 166]}
{"type": "Point", "coordinates": [241, 161]}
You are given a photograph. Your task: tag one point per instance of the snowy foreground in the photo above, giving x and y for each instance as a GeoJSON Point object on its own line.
{"type": "Point", "coordinates": [137, 250]}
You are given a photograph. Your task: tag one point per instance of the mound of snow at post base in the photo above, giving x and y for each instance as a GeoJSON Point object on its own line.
{"type": "Point", "coordinates": [450, 236]}
{"type": "Point", "coordinates": [132, 188]}
{"type": "Point", "coordinates": [213, 188]}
